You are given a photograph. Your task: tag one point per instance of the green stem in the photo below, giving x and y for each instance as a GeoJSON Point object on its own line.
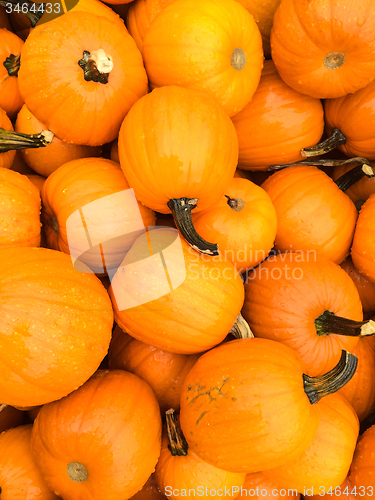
{"type": "Point", "coordinates": [12, 64]}
{"type": "Point", "coordinates": [10, 140]}
{"type": "Point", "coordinates": [177, 442]}
{"type": "Point", "coordinates": [337, 138]}
{"type": "Point", "coordinates": [348, 179]}
{"type": "Point", "coordinates": [329, 324]}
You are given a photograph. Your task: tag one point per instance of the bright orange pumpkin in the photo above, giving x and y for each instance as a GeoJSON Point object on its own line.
{"type": "Point", "coordinates": [57, 339]}
{"type": "Point", "coordinates": [10, 417]}
{"type": "Point", "coordinates": [363, 248]}
{"type": "Point", "coordinates": [101, 441]}
{"type": "Point", "coordinates": [259, 487]}
{"type": "Point", "coordinates": [10, 48]}
{"type": "Point", "coordinates": [164, 371]}
{"type": "Point", "coordinates": [277, 123]}
{"type": "Point", "coordinates": [362, 470]}
{"type": "Point", "coordinates": [214, 46]}
{"type": "Point", "coordinates": [75, 79]}
{"type": "Point", "coordinates": [324, 49]}
{"type": "Point", "coordinates": [366, 289]}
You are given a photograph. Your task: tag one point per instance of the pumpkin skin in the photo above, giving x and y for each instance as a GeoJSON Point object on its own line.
{"type": "Point", "coordinates": [73, 186]}
{"type": "Point", "coordinates": [366, 289]}
{"type": "Point", "coordinates": [326, 461]}
{"type": "Point", "coordinates": [277, 123]}
{"type": "Point", "coordinates": [56, 341]}
{"type": "Point", "coordinates": [258, 486]}
{"type": "Point", "coordinates": [19, 476]}
{"type": "Point", "coordinates": [7, 158]}
{"type": "Point", "coordinates": [53, 85]}
{"type": "Point", "coordinates": [10, 417]}
{"type": "Point", "coordinates": [37, 180]}
{"type": "Point", "coordinates": [312, 212]}
{"type": "Point", "coordinates": [19, 212]}
{"type": "Point", "coordinates": [111, 425]}
{"type": "Point", "coordinates": [363, 248]}
{"type": "Point", "coordinates": [324, 49]}
{"type": "Point", "coordinates": [363, 466]}
{"type": "Point", "coordinates": [164, 371]}
{"type": "Point", "coordinates": [245, 237]}
{"type": "Point", "coordinates": [10, 97]}
{"type": "Point", "coordinates": [150, 491]}
{"type": "Point", "coordinates": [257, 389]}
{"type": "Point", "coordinates": [199, 51]}
{"type": "Point", "coordinates": [194, 316]}
{"type": "Point", "coordinates": [287, 293]}
{"type": "Point", "coordinates": [196, 159]}
{"type": "Point", "coordinates": [44, 161]}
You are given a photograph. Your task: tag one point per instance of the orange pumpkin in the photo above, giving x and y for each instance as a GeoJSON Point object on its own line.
{"type": "Point", "coordinates": [56, 341]}
{"type": "Point", "coordinates": [243, 222]}
{"type": "Point", "coordinates": [19, 476]}
{"type": "Point", "coordinates": [83, 187]}
{"type": "Point", "coordinates": [178, 168]}
{"type": "Point", "coordinates": [179, 468]}
{"type": "Point", "coordinates": [188, 313]}
{"type": "Point", "coordinates": [362, 470]}
{"type": "Point", "coordinates": [10, 49]}
{"type": "Point", "coordinates": [366, 289]}
{"type": "Point", "coordinates": [10, 417]}
{"type": "Point", "coordinates": [363, 248]}
{"type": "Point", "coordinates": [312, 212]}
{"type": "Point", "coordinates": [253, 391]}
{"type": "Point", "coordinates": [164, 371]}
{"type": "Point", "coordinates": [101, 441]}
{"type": "Point", "coordinates": [20, 166]}
{"type": "Point", "coordinates": [19, 212]}
{"type": "Point", "coordinates": [361, 190]}
{"type": "Point", "coordinates": [187, 44]}
{"type": "Point", "coordinates": [326, 461]}
{"type": "Point", "coordinates": [344, 492]}
{"type": "Point", "coordinates": [324, 49]}
{"type": "Point", "coordinates": [150, 491]}
{"type": "Point", "coordinates": [75, 79]}
{"type": "Point", "coordinates": [6, 155]}
{"type": "Point", "coordinates": [259, 487]}
{"type": "Point", "coordinates": [37, 180]}
{"type": "Point", "coordinates": [44, 161]}
{"type": "Point", "coordinates": [309, 304]}
{"type": "Point", "coordinates": [277, 123]}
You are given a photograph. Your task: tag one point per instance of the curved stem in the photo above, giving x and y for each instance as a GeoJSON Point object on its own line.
{"type": "Point", "coordinates": [12, 64]}
{"type": "Point", "coordinates": [77, 472]}
{"type": "Point", "coordinates": [181, 210]}
{"type": "Point", "coordinates": [241, 329]}
{"type": "Point", "coordinates": [235, 204]}
{"type": "Point", "coordinates": [177, 442]}
{"type": "Point", "coordinates": [96, 66]}
{"type": "Point", "coordinates": [348, 179]}
{"type": "Point", "coordinates": [10, 140]}
{"type": "Point", "coordinates": [337, 138]}
{"type": "Point", "coordinates": [33, 11]}
{"type": "Point", "coordinates": [321, 163]}
{"type": "Point", "coordinates": [328, 323]}
{"type": "Point", "coordinates": [318, 387]}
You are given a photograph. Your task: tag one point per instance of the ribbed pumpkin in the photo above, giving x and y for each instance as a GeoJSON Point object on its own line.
{"type": "Point", "coordinates": [57, 339]}
{"type": "Point", "coordinates": [76, 80]}
{"type": "Point", "coordinates": [366, 289]}
{"type": "Point", "coordinates": [363, 248]}
{"type": "Point", "coordinates": [10, 48]}
{"type": "Point", "coordinates": [164, 371]}
{"type": "Point", "coordinates": [324, 49]}
{"type": "Point", "coordinates": [213, 45]}
{"type": "Point", "coordinates": [10, 417]}
{"type": "Point", "coordinates": [186, 307]}
{"type": "Point", "coordinates": [101, 441]}
{"type": "Point", "coordinates": [277, 123]}
{"type": "Point", "coordinates": [362, 470]}
{"type": "Point", "coordinates": [19, 476]}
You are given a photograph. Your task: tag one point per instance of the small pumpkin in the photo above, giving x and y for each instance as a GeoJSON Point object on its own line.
{"type": "Point", "coordinates": [164, 371]}
{"type": "Point", "coordinates": [10, 49]}
{"type": "Point", "coordinates": [363, 248]}
{"type": "Point", "coordinates": [198, 51]}
{"type": "Point", "coordinates": [10, 417]}
{"type": "Point", "coordinates": [101, 441]}
{"type": "Point", "coordinates": [259, 486]}
{"type": "Point", "coordinates": [362, 470]}
{"type": "Point", "coordinates": [366, 289]}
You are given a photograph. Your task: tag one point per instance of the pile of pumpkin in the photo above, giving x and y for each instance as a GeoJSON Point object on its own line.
{"type": "Point", "coordinates": [246, 132]}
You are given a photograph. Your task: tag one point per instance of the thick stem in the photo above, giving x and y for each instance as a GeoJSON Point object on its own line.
{"type": "Point", "coordinates": [318, 387]}
{"type": "Point", "coordinates": [328, 324]}
{"type": "Point", "coordinates": [348, 180]}
{"type": "Point", "coordinates": [322, 163]}
{"type": "Point", "coordinates": [12, 64]}
{"type": "Point", "coordinates": [337, 138]}
{"type": "Point", "coordinates": [33, 11]}
{"type": "Point", "coordinates": [10, 140]}
{"type": "Point", "coordinates": [181, 210]}
{"type": "Point", "coordinates": [96, 66]}
{"type": "Point", "coordinates": [235, 204]}
{"type": "Point", "coordinates": [241, 329]}
{"type": "Point", "coordinates": [77, 472]}
{"type": "Point", "coordinates": [177, 442]}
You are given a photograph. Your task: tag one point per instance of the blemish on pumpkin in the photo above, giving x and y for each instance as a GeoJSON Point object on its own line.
{"type": "Point", "coordinates": [201, 416]}
{"type": "Point", "coordinates": [208, 393]}
{"type": "Point", "coordinates": [234, 399]}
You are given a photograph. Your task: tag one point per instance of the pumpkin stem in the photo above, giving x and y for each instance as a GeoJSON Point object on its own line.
{"type": "Point", "coordinates": [10, 140]}
{"type": "Point", "coordinates": [322, 163]}
{"type": "Point", "coordinates": [77, 472]}
{"type": "Point", "coordinates": [238, 59]}
{"type": "Point", "coordinates": [334, 60]}
{"type": "Point", "coordinates": [2, 407]}
{"type": "Point", "coordinates": [181, 210]}
{"type": "Point", "coordinates": [12, 64]}
{"type": "Point", "coordinates": [318, 387]}
{"type": "Point", "coordinates": [33, 11]}
{"type": "Point", "coordinates": [235, 204]}
{"type": "Point", "coordinates": [96, 66]}
{"type": "Point", "coordinates": [348, 179]}
{"type": "Point", "coordinates": [337, 138]}
{"type": "Point", "coordinates": [241, 329]}
{"type": "Point", "coordinates": [55, 224]}
{"type": "Point", "coordinates": [177, 442]}
{"type": "Point", "coordinates": [328, 323]}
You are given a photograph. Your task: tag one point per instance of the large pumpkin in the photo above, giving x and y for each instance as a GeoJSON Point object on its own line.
{"type": "Point", "coordinates": [57, 339]}
{"type": "Point", "coordinates": [363, 248]}
{"type": "Point", "coordinates": [101, 441]}
{"type": "Point", "coordinates": [188, 44]}
{"type": "Point", "coordinates": [10, 49]}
